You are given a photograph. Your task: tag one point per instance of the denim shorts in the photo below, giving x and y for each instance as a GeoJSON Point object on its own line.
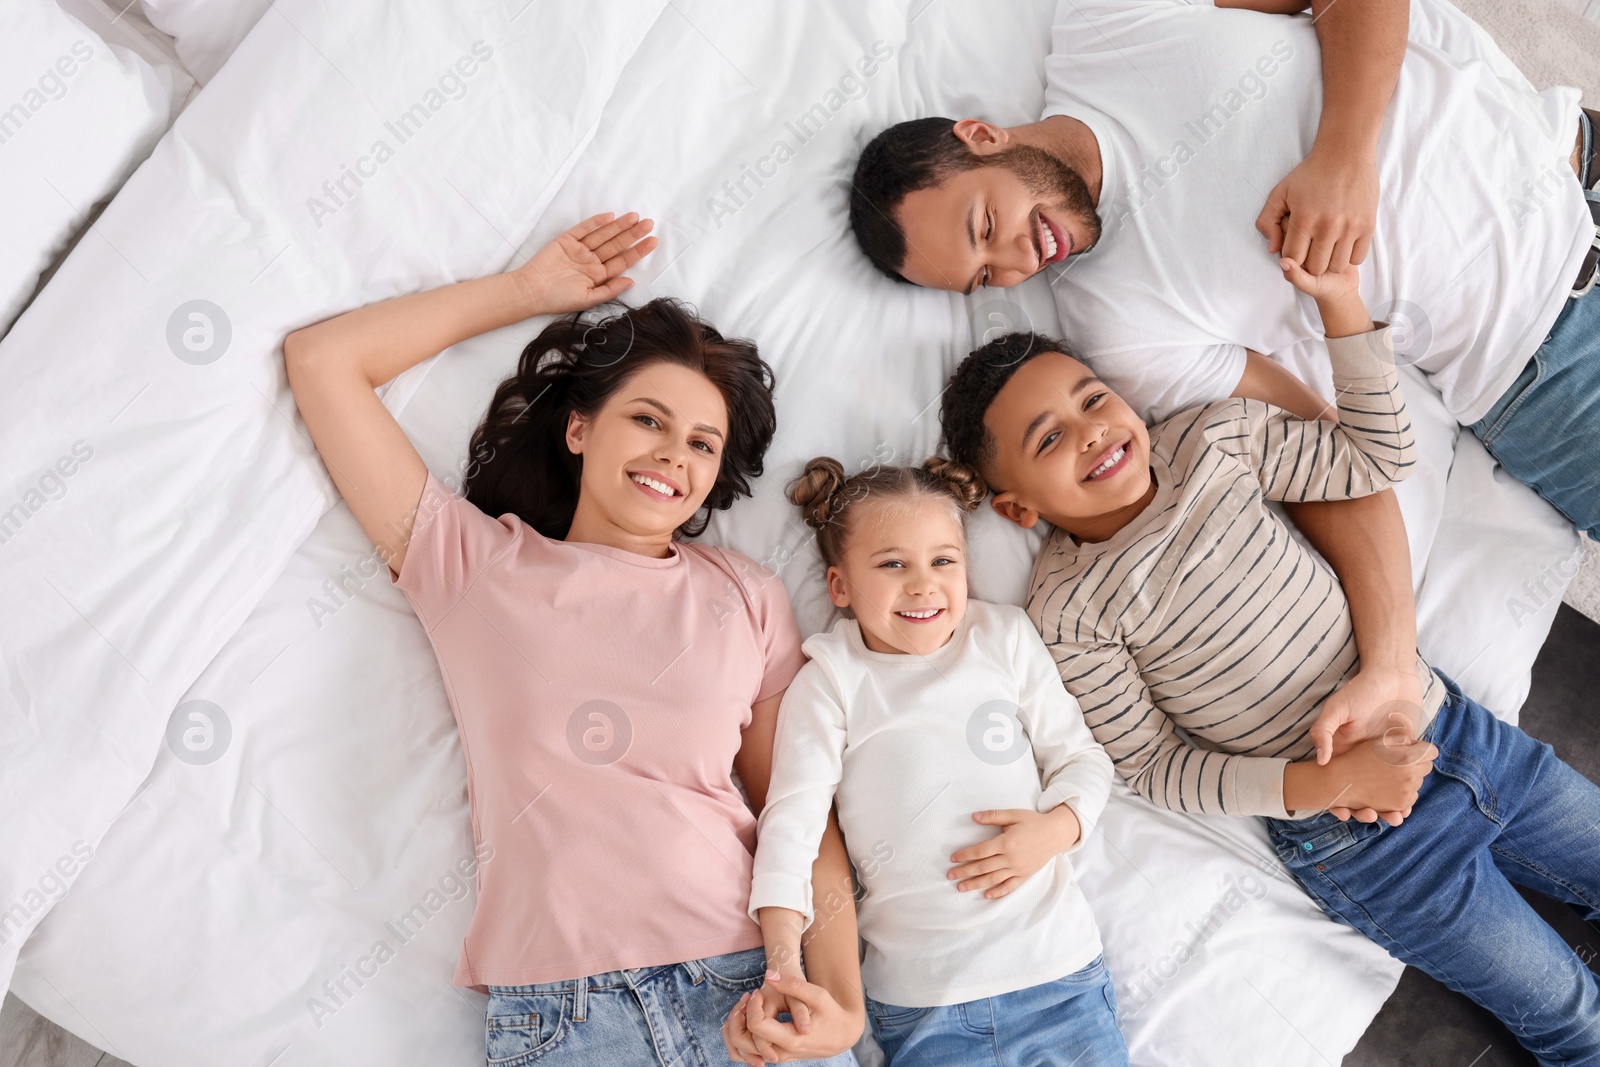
{"type": "Point", "coordinates": [1072, 1020]}
{"type": "Point", "coordinates": [662, 1016]}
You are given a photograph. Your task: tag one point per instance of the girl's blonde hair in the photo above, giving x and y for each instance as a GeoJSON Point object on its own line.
{"type": "Point", "coordinates": [827, 496]}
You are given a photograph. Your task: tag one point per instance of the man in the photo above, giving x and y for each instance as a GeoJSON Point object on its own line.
{"type": "Point", "coordinates": [1154, 186]}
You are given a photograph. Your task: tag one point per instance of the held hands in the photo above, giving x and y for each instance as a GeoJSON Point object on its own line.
{"type": "Point", "coordinates": [1383, 774]}
{"type": "Point", "coordinates": [1378, 703]}
{"type": "Point", "coordinates": [1375, 777]}
{"type": "Point", "coordinates": [583, 266]}
{"type": "Point", "coordinates": [1026, 842]}
{"type": "Point", "coordinates": [1338, 297]}
{"type": "Point", "coordinates": [1331, 286]}
{"type": "Point", "coordinates": [1323, 213]}
{"type": "Point", "coordinates": [820, 1026]}
{"type": "Point", "coordinates": [753, 1034]}
{"type": "Point", "coordinates": [1362, 708]}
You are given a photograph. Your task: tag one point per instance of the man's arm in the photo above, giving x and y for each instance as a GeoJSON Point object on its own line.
{"type": "Point", "coordinates": [1324, 212]}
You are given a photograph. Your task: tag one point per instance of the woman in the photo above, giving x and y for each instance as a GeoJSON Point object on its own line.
{"type": "Point", "coordinates": [605, 674]}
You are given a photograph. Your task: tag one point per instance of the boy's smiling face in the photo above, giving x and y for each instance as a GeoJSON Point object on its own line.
{"type": "Point", "coordinates": [1067, 450]}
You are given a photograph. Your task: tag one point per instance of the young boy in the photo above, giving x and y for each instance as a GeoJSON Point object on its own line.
{"type": "Point", "coordinates": [1173, 599]}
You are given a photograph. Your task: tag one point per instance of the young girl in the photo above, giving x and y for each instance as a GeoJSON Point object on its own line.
{"type": "Point", "coordinates": [964, 776]}
{"type": "Point", "coordinates": [606, 674]}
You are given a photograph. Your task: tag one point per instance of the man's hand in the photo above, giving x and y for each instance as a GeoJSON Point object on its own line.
{"type": "Point", "coordinates": [1026, 842]}
{"type": "Point", "coordinates": [1323, 214]}
{"type": "Point", "coordinates": [1361, 710]}
{"type": "Point", "coordinates": [755, 1036]}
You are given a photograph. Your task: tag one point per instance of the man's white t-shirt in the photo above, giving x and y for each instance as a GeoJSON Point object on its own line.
{"type": "Point", "coordinates": [1200, 112]}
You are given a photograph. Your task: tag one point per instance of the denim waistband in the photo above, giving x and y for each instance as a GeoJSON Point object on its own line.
{"type": "Point", "coordinates": [606, 981]}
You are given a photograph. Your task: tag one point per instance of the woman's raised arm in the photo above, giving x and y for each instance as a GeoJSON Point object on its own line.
{"type": "Point", "coordinates": [335, 365]}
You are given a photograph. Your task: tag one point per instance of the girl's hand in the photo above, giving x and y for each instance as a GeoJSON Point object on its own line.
{"type": "Point", "coordinates": [583, 266]}
{"type": "Point", "coordinates": [1026, 842]}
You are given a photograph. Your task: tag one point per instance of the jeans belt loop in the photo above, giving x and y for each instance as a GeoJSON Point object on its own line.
{"type": "Point", "coordinates": [697, 973]}
{"type": "Point", "coordinates": [580, 999]}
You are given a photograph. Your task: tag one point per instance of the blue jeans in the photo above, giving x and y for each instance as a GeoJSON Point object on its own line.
{"type": "Point", "coordinates": [1500, 808]}
{"type": "Point", "coordinates": [1072, 1020]}
{"type": "Point", "coordinates": [1545, 430]}
{"type": "Point", "coordinates": [665, 1016]}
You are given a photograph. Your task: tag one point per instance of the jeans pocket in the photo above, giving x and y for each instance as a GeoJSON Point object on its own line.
{"type": "Point", "coordinates": [1324, 841]}
{"type": "Point", "coordinates": [521, 1028]}
{"type": "Point", "coordinates": [1494, 423]}
{"type": "Point", "coordinates": [891, 1015]}
{"type": "Point", "coordinates": [740, 971]}
{"type": "Point", "coordinates": [1111, 999]}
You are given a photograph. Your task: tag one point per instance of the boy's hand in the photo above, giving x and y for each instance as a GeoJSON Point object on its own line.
{"type": "Point", "coordinates": [1337, 294]}
{"type": "Point", "coordinates": [1382, 773]}
{"type": "Point", "coordinates": [583, 266]}
{"type": "Point", "coordinates": [1026, 842]}
{"type": "Point", "coordinates": [1332, 285]}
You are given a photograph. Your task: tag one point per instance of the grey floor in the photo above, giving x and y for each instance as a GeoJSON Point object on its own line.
{"type": "Point", "coordinates": [26, 1040]}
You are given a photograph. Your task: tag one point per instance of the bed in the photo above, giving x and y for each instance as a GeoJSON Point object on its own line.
{"type": "Point", "coordinates": [231, 772]}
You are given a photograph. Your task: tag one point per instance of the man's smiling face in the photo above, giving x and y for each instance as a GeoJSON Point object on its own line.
{"type": "Point", "coordinates": [997, 224]}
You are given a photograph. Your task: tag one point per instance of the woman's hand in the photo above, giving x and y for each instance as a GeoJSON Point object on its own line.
{"type": "Point", "coordinates": [583, 266]}
{"type": "Point", "coordinates": [754, 1034]}
{"type": "Point", "coordinates": [1026, 842]}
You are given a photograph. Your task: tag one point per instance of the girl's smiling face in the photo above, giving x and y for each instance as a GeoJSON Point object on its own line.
{"type": "Point", "coordinates": [903, 572]}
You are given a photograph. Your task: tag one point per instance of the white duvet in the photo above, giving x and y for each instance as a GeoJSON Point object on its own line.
{"type": "Point", "coordinates": [81, 105]}
{"type": "Point", "coordinates": [210, 693]}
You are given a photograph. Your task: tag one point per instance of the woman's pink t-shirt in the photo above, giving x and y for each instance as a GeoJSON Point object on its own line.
{"type": "Point", "coordinates": [600, 696]}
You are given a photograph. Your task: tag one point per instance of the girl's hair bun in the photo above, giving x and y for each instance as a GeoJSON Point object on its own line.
{"type": "Point", "coordinates": [819, 491]}
{"type": "Point", "coordinates": [966, 485]}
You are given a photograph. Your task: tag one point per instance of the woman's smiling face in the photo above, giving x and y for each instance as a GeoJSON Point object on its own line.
{"type": "Point", "coordinates": [653, 451]}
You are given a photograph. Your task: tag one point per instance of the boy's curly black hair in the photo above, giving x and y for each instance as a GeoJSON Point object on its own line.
{"type": "Point", "coordinates": [972, 389]}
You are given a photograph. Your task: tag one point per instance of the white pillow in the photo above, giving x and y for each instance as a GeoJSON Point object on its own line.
{"type": "Point", "coordinates": [205, 32]}
{"type": "Point", "coordinates": [77, 115]}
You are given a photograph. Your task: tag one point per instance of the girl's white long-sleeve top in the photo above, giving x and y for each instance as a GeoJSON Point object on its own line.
{"type": "Point", "coordinates": [910, 747]}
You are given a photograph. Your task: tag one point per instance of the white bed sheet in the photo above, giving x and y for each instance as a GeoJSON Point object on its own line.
{"type": "Point", "coordinates": [226, 894]}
